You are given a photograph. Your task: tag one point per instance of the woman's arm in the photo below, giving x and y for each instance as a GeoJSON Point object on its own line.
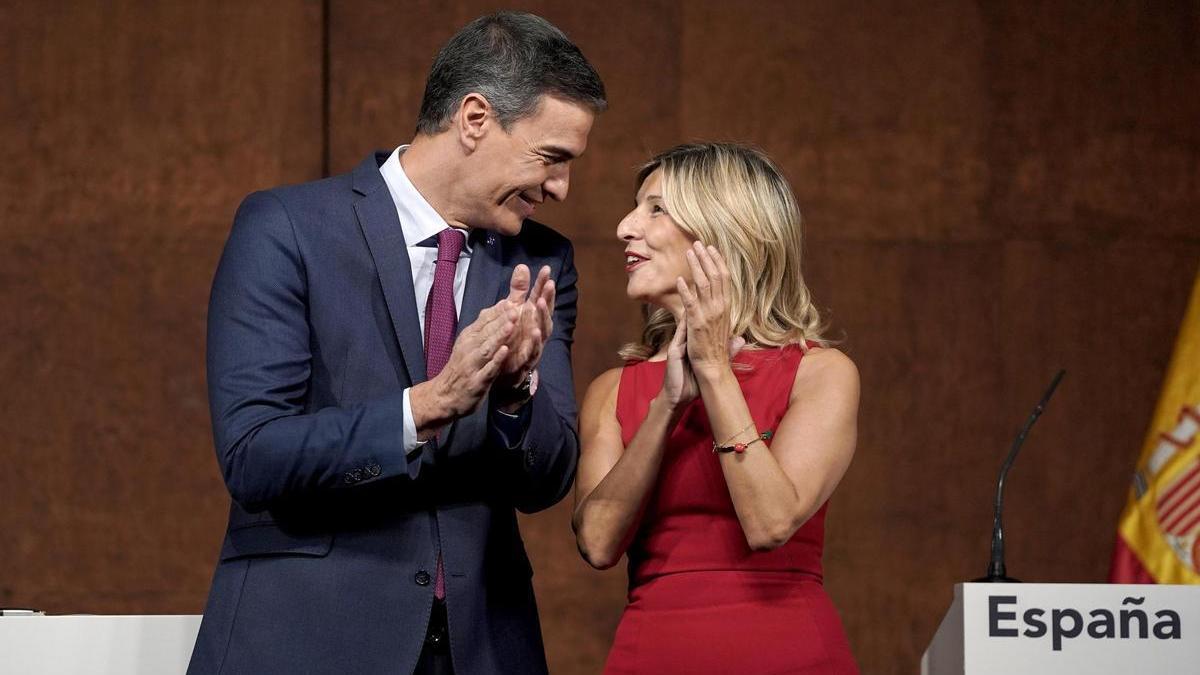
{"type": "Point", "coordinates": [613, 482]}
{"type": "Point", "coordinates": [774, 490]}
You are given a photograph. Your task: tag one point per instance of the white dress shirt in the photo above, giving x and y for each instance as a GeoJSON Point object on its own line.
{"type": "Point", "coordinates": [419, 222]}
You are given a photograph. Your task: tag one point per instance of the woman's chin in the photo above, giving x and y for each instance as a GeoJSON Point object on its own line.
{"type": "Point", "coordinates": [646, 297]}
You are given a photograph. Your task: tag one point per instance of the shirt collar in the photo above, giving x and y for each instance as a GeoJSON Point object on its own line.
{"type": "Point", "coordinates": [418, 221]}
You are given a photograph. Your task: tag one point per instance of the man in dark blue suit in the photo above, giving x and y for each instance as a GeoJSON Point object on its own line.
{"type": "Point", "coordinates": [389, 375]}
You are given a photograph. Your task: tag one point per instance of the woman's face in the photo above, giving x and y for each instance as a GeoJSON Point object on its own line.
{"type": "Point", "coordinates": [655, 248]}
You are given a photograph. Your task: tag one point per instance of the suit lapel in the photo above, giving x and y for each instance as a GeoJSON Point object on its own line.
{"type": "Point", "coordinates": [487, 279]}
{"type": "Point", "coordinates": [484, 283]}
{"type": "Point", "coordinates": [381, 228]}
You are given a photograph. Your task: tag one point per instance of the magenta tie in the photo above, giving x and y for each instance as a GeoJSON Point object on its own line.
{"type": "Point", "coordinates": [441, 321]}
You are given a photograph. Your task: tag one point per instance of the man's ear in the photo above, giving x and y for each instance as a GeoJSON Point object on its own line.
{"type": "Point", "coordinates": [474, 119]}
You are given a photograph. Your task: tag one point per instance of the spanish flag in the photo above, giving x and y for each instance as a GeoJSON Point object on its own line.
{"type": "Point", "coordinates": [1158, 539]}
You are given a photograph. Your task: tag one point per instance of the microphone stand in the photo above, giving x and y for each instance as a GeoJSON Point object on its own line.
{"type": "Point", "coordinates": [996, 571]}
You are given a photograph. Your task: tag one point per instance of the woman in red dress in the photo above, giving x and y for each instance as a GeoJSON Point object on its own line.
{"type": "Point", "coordinates": [710, 456]}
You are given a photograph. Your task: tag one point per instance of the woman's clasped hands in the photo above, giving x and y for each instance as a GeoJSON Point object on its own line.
{"type": "Point", "coordinates": [702, 348]}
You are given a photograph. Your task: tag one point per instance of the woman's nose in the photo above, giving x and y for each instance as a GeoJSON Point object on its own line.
{"type": "Point", "coordinates": [627, 228]}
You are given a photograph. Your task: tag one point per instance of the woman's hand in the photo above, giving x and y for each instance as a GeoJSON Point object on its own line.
{"type": "Point", "coordinates": [679, 383]}
{"type": "Point", "coordinates": [710, 348]}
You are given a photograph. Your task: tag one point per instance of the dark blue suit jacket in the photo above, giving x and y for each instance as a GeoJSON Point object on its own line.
{"type": "Point", "coordinates": [333, 531]}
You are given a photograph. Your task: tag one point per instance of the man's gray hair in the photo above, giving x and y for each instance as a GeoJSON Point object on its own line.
{"type": "Point", "coordinates": [512, 59]}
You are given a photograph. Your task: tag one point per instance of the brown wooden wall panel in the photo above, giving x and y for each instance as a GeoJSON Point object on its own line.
{"type": "Point", "coordinates": [1094, 131]}
{"type": "Point", "coordinates": [877, 111]}
{"type": "Point", "coordinates": [132, 129]}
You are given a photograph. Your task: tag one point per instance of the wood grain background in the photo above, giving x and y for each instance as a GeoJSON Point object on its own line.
{"type": "Point", "coordinates": [991, 190]}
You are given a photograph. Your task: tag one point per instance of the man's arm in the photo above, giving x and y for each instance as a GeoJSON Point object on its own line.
{"type": "Point", "coordinates": [541, 461]}
{"type": "Point", "coordinates": [259, 360]}
{"type": "Point", "coordinates": [259, 364]}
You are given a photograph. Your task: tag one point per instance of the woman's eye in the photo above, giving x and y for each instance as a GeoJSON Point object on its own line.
{"type": "Point", "coordinates": [656, 209]}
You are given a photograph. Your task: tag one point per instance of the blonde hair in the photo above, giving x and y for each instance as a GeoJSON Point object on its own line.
{"type": "Point", "coordinates": [734, 198]}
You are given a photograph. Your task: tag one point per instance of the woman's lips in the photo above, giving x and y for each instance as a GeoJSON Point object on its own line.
{"type": "Point", "coordinates": [633, 261]}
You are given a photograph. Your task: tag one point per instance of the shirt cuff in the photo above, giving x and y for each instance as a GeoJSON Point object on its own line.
{"type": "Point", "coordinates": [410, 427]}
{"type": "Point", "coordinates": [511, 426]}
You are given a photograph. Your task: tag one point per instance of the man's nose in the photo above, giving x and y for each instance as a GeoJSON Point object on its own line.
{"type": "Point", "coordinates": [557, 185]}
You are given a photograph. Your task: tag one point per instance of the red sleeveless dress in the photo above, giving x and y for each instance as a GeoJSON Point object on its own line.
{"type": "Point", "coordinates": [700, 600]}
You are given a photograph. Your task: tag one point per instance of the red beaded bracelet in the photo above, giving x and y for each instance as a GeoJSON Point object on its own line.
{"type": "Point", "coordinates": [739, 448]}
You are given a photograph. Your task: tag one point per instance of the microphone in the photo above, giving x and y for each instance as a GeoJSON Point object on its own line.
{"type": "Point", "coordinates": [996, 572]}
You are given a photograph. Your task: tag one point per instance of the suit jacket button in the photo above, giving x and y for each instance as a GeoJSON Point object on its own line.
{"type": "Point", "coordinates": [374, 470]}
{"type": "Point", "coordinates": [422, 578]}
{"type": "Point", "coordinates": [529, 459]}
{"type": "Point", "coordinates": [349, 478]}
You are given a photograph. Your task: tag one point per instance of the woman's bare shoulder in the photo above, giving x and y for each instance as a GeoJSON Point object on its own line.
{"type": "Point", "coordinates": [604, 387]}
{"type": "Point", "coordinates": [825, 369]}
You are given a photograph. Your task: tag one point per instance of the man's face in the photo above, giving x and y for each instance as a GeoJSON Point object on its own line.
{"type": "Point", "coordinates": [514, 171]}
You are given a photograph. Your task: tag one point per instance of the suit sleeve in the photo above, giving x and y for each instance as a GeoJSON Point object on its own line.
{"type": "Point", "coordinates": [541, 466]}
{"type": "Point", "coordinates": [259, 363]}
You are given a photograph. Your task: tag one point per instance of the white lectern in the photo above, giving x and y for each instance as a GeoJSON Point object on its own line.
{"type": "Point", "coordinates": [97, 645]}
{"type": "Point", "coordinates": [1064, 629]}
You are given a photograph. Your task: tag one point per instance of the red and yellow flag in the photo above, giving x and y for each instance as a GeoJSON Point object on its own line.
{"type": "Point", "coordinates": [1158, 539]}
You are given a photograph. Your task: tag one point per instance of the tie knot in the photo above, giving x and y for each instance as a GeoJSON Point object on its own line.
{"type": "Point", "coordinates": [450, 244]}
